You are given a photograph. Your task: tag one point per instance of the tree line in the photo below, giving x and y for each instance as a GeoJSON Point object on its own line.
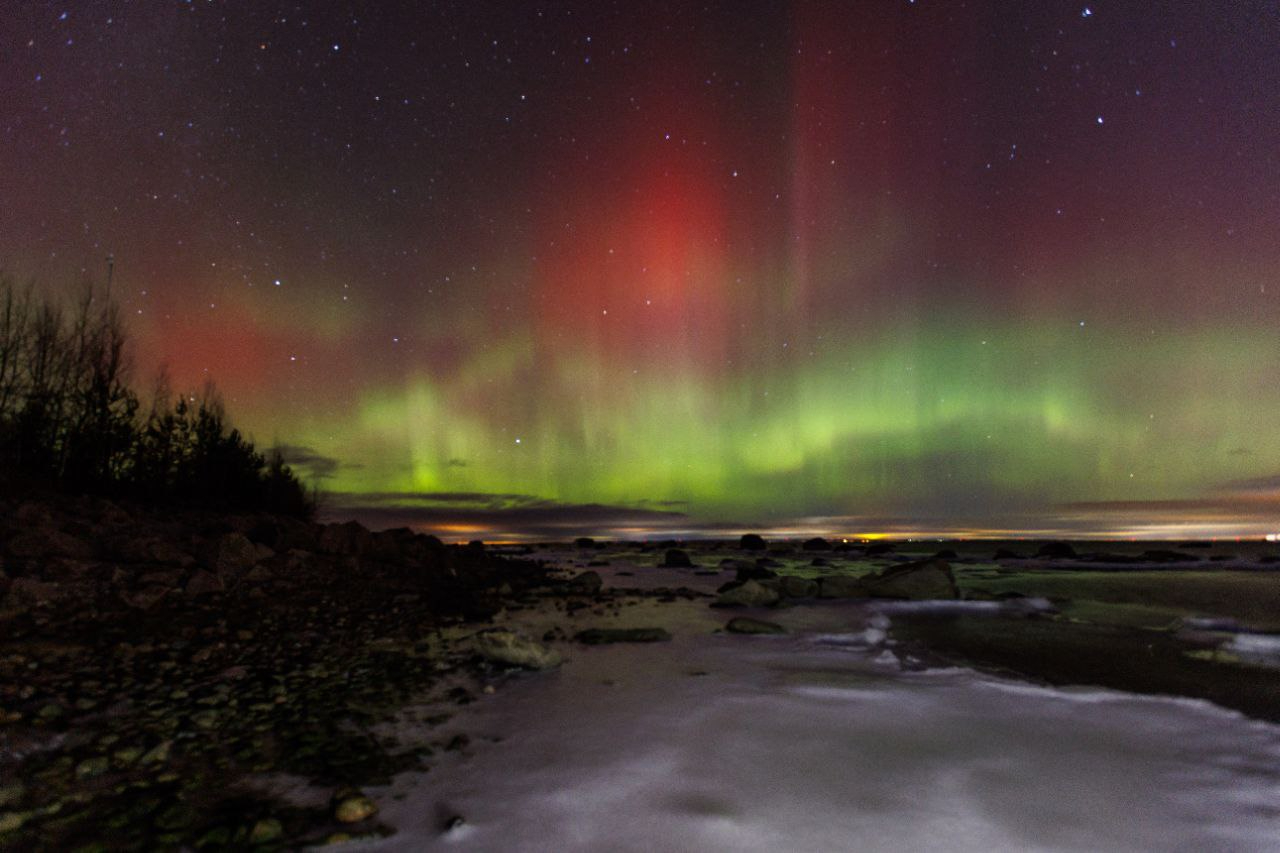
{"type": "Point", "coordinates": [71, 422]}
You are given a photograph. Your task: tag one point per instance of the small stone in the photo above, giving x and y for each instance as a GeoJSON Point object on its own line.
{"type": "Point", "coordinates": [507, 647]}
{"type": "Point", "coordinates": [127, 756]}
{"type": "Point", "coordinates": [91, 767]}
{"type": "Point", "coordinates": [265, 830]}
{"type": "Point", "coordinates": [158, 754]}
{"type": "Point", "coordinates": [12, 793]}
{"type": "Point", "coordinates": [353, 807]}
{"type": "Point", "coordinates": [205, 719]}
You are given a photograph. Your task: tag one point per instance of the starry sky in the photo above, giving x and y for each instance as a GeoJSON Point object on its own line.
{"type": "Point", "coordinates": [536, 269]}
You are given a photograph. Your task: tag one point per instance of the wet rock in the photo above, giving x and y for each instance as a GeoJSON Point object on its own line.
{"type": "Point", "coordinates": [924, 580]}
{"type": "Point", "coordinates": [817, 543]}
{"type": "Point", "coordinates": [747, 625]}
{"type": "Point", "coordinates": [794, 587]}
{"type": "Point", "coordinates": [676, 559]}
{"type": "Point", "coordinates": [752, 542]}
{"type": "Point", "coordinates": [1057, 551]}
{"type": "Point", "coordinates": [351, 806]}
{"type": "Point", "coordinates": [604, 636]}
{"type": "Point", "coordinates": [747, 594]}
{"type": "Point", "coordinates": [840, 586]}
{"type": "Point", "coordinates": [507, 647]}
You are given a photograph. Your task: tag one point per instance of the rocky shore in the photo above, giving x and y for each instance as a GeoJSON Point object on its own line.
{"type": "Point", "coordinates": [164, 676]}
{"type": "Point", "coordinates": [152, 665]}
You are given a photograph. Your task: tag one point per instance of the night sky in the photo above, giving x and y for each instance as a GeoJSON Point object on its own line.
{"type": "Point", "coordinates": [549, 268]}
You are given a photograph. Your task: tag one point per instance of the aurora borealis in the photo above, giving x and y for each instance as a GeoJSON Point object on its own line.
{"type": "Point", "coordinates": [537, 269]}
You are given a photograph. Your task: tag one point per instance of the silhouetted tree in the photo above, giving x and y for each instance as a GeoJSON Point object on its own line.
{"type": "Point", "coordinates": [70, 421]}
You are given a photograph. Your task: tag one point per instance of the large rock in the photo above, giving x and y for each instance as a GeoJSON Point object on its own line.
{"type": "Point", "coordinates": [794, 587]}
{"type": "Point", "coordinates": [204, 583]}
{"type": "Point", "coordinates": [232, 554]}
{"type": "Point", "coordinates": [676, 559]}
{"type": "Point", "coordinates": [347, 539]}
{"type": "Point", "coordinates": [752, 542]}
{"type": "Point", "coordinates": [817, 543]}
{"type": "Point", "coordinates": [747, 594]}
{"type": "Point", "coordinates": [587, 583]}
{"type": "Point", "coordinates": [1057, 551]}
{"type": "Point", "coordinates": [42, 543]}
{"type": "Point", "coordinates": [752, 572]}
{"type": "Point", "coordinates": [506, 647]}
{"type": "Point", "coordinates": [927, 579]}
{"type": "Point", "coordinates": [841, 586]}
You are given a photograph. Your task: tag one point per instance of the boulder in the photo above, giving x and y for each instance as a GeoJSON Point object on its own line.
{"type": "Point", "coordinates": [232, 554]}
{"type": "Point", "coordinates": [509, 648]}
{"type": "Point", "coordinates": [604, 636]}
{"type": "Point", "coordinates": [817, 543]}
{"type": "Point", "coordinates": [1006, 554]}
{"type": "Point", "coordinates": [747, 594]}
{"type": "Point", "coordinates": [204, 582]}
{"type": "Point", "coordinates": [752, 542]}
{"type": "Point", "coordinates": [946, 554]}
{"type": "Point", "coordinates": [1057, 551]}
{"type": "Point", "coordinates": [587, 582]}
{"type": "Point", "coordinates": [676, 559]}
{"type": "Point", "coordinates": [794, 587]}
{"type": "Point", "coordinates": [747, 625]}
{"type": "Point", "coordinates": [924, 580]}
{"type": "Point", "coordinates": [584, 542]}
{"type": "Point", "coordinates": [841, 586]}
{"type": "Point", "coordinates": [751, 572]}
{"type": "Point", "coordinates": [42, 543]}
{"type": "Point", "coordinates": [876, 549]}
{"type": "Point", "coordinates": [348, 539]}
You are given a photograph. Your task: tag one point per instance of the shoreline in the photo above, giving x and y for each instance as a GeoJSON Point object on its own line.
{"type": "Point", "coordinates": [167, 675]}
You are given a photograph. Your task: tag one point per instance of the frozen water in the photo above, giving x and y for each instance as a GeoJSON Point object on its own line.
{"type": "Point", "coordinates": [820, 741]}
